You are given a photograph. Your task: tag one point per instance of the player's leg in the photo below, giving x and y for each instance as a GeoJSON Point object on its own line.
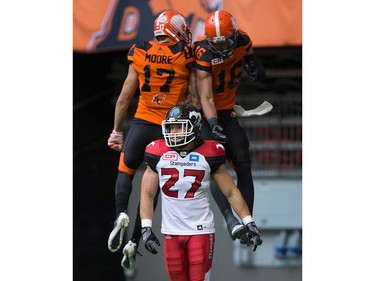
{"type": "Point", "coordinates": [123, 189]}
{"type": "Point", "coordinates": [200, 250]}
{"type": "Point", "coordinates": [237, 151]}
{"type": "Point", "coordinates": [146, 133]}
{"type": "Point", "coordinates": [233, 225]}
{"type": "Point", "coordinates": [175, 257]}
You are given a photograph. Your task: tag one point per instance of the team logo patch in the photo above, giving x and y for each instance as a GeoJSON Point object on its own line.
{"type": "Point", "coordinates": [158, 98]}
{"type": "Point", "coordinates": [169, 156]}
{"type": "Point", "coordinates": [194, 158]}
{"type": "Point", "coordinates": [216, 61]}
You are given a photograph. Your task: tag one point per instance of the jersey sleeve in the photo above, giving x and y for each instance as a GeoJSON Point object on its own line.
{"type": "Point", "coordinates": [244, 40]}
{"type": "Point", "coordinates": [203, 56]}
{"type": "Point", "coordinates": [187, 50]}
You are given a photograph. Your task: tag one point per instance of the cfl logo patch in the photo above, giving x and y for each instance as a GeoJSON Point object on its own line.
{"type": "Point", "coordinates": [216, 61]}
{"type": "Point", "coordinates": [169, 156]}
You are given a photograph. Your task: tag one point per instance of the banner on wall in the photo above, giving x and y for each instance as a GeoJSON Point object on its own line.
{"type": "Point", "coordinates": [113, 25]}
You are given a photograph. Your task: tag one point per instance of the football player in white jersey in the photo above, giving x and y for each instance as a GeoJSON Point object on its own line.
{"type": "Point", "coordinates": [183, 166]}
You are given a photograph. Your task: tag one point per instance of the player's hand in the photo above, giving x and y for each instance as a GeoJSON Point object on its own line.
{"type": "Point", "coordinates": [252, 236]}
{"type": "Point", "coordinates": [116, 140]}
{"type": "Point", "coordinates": [216, 133]}
{"type": "Point", "coordinates": [149, 239]}
{"type": "Point", "coordinates": [117, 234]}
{"type": "Point", "coordinates": [254, 68]}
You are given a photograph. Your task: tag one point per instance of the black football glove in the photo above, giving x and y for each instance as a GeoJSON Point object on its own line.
{"type": "Point", "coordinates": [149, 239]}
{"type": "Point", "coordinates": [216, 131]}
{"type": "Point", "coordinates": [252, 236]}
{"type": "Point", "coordinates": [254, 68]}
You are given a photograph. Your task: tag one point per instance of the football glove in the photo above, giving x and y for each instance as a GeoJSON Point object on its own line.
{"type": "Point", "coordinates": [116, 140]}
{"type": "Point", "coordinates": [254, 68]}
{"type": "Point", "coordinates": [252, 236]}
{"type": "Point", "coordinates": [117, 234]}
{"type": "Point", "coordinates": [149, 239]}
{"type": "Point", "coordinates": [216, 131]}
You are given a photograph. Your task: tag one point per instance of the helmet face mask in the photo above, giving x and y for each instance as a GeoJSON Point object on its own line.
{"type": "Point", "coordinates": [221, 33]}
{"type": "Point", "coordinates": [174, 25]}
{"type": "Point", "coordinates": [182, 125]}
{"type": "Point", "coordinates": [224, 47]}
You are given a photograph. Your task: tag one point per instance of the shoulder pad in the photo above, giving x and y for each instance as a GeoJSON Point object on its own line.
{"type": "Point", "coordinates": [211, 148]}
{"type": "Point", "coordinates": [142, 45]}
{"type": "Point", "coordinates": [157, 147]}
{"type": "Point", "coordinates": [178, 47]}
{"type": "Point", "coordinates": [243, 39]}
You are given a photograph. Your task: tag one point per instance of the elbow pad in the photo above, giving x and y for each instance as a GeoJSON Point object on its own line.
{"type": "Point", "coordinates": [254, 68]}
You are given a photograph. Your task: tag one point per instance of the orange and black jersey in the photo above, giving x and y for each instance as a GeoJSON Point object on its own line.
{"type": "Point", "coordinates": [226, 72]}
{"type": "Point", "coordinates": [163, 75]}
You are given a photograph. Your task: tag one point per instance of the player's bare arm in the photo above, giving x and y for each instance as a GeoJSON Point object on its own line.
{"type": "Point", "coordinates": [229, 189]}
{"type": "Point", "coordinates": [204, 86]}
{"type": "Point", "coordinates": [194, 98]}
{"type": "Point", "coordinates": [149, 187]}
{"type": "Point", "coordinates": [128, 89]}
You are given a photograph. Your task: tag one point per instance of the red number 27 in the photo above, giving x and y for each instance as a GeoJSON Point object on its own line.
{"type": "Point", "coordinates": [173, 172]}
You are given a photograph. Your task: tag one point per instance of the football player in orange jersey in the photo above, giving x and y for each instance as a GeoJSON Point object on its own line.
{"type": "Point", "coordinates": [221, 58]}
{"type": "Point", "coordinates": [161, 69]}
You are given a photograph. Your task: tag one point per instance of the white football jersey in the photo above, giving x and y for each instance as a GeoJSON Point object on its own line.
{"type": "Point", "coordinates": [184, 180]}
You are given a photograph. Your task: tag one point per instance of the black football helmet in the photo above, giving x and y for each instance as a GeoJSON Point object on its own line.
{"type": "Point", "coordinates": [188, 119]}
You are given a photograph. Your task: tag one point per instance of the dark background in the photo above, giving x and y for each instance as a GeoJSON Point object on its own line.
{"type": "Point", "coordinates": [94, 168]}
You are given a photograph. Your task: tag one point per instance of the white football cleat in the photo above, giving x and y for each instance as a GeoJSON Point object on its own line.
{"type": "Point", "coordinates": [128, 260]}
{"type": "Point", "coordinates": [117, 234]}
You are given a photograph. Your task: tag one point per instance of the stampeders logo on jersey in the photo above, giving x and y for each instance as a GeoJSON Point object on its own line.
{"type": "Point", "coordinates": [217, 61]}
{"type": "Point", "coordinates": [170, 156]}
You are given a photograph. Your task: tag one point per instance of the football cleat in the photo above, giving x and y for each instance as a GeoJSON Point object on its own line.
{"type": "Point", "coordinates": [117, 234]}
{"type": "Point", "coordinates": [129, 251]}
